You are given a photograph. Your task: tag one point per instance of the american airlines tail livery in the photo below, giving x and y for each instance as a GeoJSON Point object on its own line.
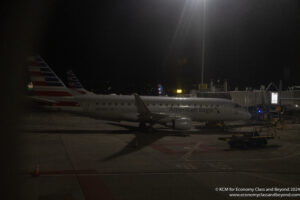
{"type": "Point", "coordinates": [48, 89]}
{"type": "Point", "coordinates": [175, 112]}
{"type": "Point", "coordinates": [75, 85]}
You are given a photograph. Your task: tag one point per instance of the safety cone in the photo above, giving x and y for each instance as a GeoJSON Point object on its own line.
{"type": "Point", "coordinates": [36, 171]}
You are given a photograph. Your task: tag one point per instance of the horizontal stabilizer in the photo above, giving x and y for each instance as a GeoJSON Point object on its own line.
{"type": "Point", "coordinates": [42, 100]}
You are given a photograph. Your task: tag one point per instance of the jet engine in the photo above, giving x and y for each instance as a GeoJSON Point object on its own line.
{"type": "Point", "coordinates": [182, 123]}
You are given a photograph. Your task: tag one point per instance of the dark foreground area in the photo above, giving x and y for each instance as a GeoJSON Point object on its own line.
{"type": "Point", "coordinates": [81, 158]}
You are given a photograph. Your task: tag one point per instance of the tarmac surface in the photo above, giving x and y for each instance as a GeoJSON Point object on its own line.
{"type": "Point", "coordinates": [79, 158]}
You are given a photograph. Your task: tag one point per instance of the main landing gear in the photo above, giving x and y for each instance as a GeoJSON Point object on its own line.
{"type": "Point", "coordinates": [143, 127]}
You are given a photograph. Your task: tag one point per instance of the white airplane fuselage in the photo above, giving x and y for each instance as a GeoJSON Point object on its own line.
{"type": "Point", "coordinates": [123, 108]}
{"type": "Point", "coordinates": [49, 90]}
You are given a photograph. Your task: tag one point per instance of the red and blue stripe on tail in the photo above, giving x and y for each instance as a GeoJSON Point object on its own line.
{"type": "Point", "coordinates": [47, 85]}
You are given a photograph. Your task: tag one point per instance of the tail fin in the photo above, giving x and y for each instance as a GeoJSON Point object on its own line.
{"type": "Point", "coordinates": [74, 83]}
{"type": "Point", "coordinates": [160, 90]}
{"type": "Point", "coordinates": [46, 84]}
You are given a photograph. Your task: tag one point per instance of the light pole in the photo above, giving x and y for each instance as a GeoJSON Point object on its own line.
{"type": "Point", "coordinates": [203, 42]}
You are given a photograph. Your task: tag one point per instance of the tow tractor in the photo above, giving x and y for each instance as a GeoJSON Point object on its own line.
{"type": "Point", "coordinates": [245, 140]}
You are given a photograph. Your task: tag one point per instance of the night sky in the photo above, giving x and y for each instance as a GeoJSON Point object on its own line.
{"type": "Point", "coordinates": [133, 44]}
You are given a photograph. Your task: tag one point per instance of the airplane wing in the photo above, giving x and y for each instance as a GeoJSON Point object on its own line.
{"type": "Point", "coordinates": [146, 115]}
{"type": "Point", "coordinates": [174, 121]}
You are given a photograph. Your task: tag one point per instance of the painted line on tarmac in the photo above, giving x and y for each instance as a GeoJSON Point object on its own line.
{"type": "Point", "coordinates": [186, 166]}
{"type": "Point", "coordinates": [220, 165]}
{"type": "Point", "coordinates": [177, 171]}
{"type": "Point", "coordinates": [94, 189]}
{"type": "Point", "coordinates": [190, 152]}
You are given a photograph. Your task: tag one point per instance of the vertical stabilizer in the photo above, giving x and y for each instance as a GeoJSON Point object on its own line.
{"type": "Point", "coordinates": [75, 85]}
{"type": "Point", "coordinates": [46, 84]}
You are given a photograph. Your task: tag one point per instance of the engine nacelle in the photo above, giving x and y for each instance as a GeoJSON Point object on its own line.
{"type": "Point", "coordinates": [182, 123]}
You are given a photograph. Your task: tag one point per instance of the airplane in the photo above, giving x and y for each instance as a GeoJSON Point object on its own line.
{"type": "Point", "coordinates": [175, 112]}
{"type": "Point", "coordinates": [75, 85]}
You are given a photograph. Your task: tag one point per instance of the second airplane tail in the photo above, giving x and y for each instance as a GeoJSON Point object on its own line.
{"type": "Point", "coordinates": [75, 85]}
